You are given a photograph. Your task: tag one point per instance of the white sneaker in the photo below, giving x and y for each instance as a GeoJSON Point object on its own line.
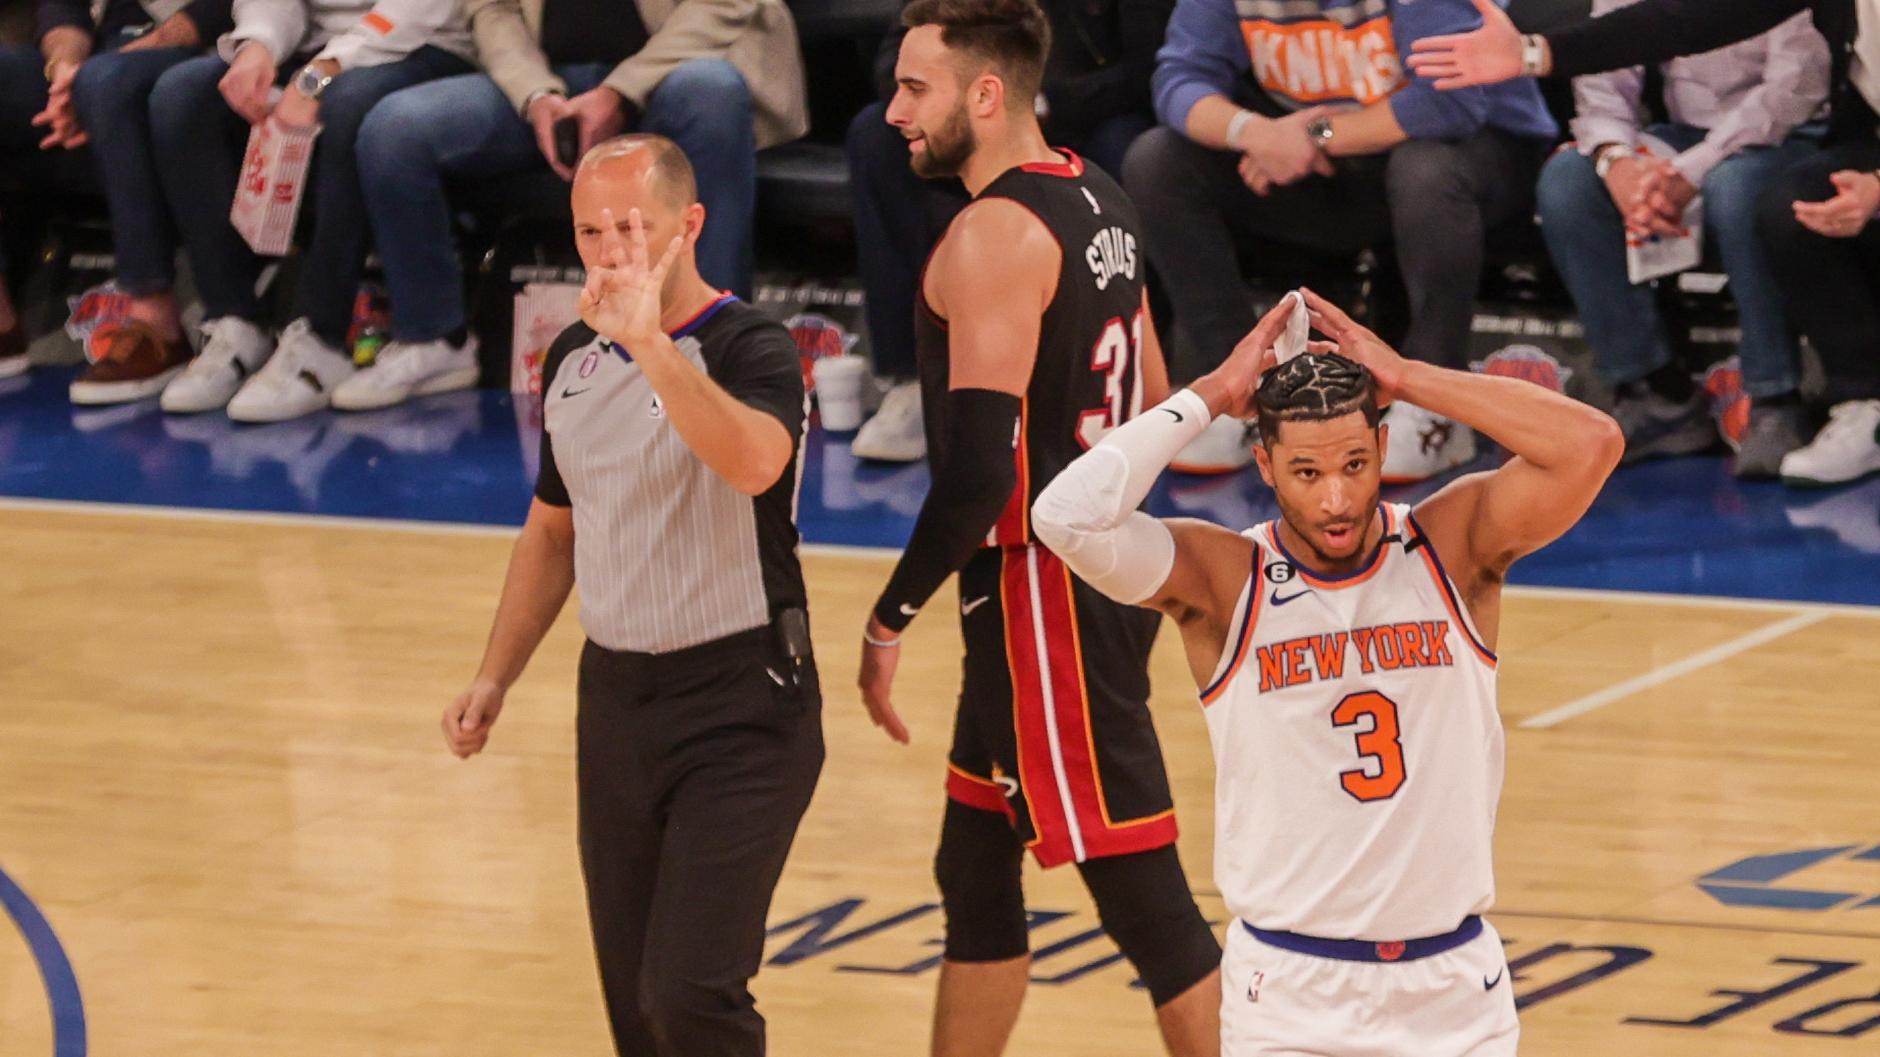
{"type": "Point", "coordinates": [1423, 444]}
{"type": "Point", "coordinates": [1225, 446]}
{"type": "Point", "coordinates": [896, 433]}
{"type": "Point", "coordinates": [405, 370]}
{"type": "Point", "coordinates": [232, 351]}
{"type": "Point", "coordinates": [1846, 449]}
{"type": "Point", "coordinates": [298, 380]}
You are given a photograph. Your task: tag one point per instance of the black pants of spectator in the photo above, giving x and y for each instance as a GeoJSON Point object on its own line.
{"type": "Point", "coordinates": [694, 768]}
{"type": "Point", "coordinates": [899, 216]}
{"type": "Point", "coordinates": [1435, 200]}
{"type": "Point", "coordinates": [1830, 286]}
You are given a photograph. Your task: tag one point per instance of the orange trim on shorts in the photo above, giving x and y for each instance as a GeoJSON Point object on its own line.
{"type": "Point", "coordinates": [377, 23]}
{"type": "Point", "coordinates": [983, 794]}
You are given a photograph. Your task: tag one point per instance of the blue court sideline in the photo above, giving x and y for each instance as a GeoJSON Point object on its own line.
{"type": "Point", "coordinates": [1683, 525]}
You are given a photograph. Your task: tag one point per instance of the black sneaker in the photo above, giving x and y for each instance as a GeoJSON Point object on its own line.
{"type": "Point", "coordinates": [1656, 427]}
{"type": "Point", "coordinates": [1773, 432]}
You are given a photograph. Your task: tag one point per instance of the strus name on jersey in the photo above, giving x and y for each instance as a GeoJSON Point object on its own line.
{"type": "Point", "coordinates": [1110, 254]}
{"type": "Point", "coordinates": [1387, 647]}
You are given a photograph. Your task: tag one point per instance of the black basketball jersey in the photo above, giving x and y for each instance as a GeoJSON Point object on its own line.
{"type": "Point", "coordinates": [1087, 379]}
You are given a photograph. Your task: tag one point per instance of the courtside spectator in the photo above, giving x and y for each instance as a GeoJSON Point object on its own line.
{"type": "Point", "coordinates": [1294, 121]}
{"type": "Point", "coordinates": [74, 114]}
{"type": "Point", "coordinates": [1817, 219]}
{"type": "Point", "coordinates": [1095, 101]}
{"type": "Point", "coordinates": [720, 78]}
{"type": "Point", "coordinates": [334, 59]}
{"type": "Point", "coordinates": [1734, 118]}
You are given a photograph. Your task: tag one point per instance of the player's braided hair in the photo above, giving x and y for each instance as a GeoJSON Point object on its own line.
{"type": "Point", "coordinates": [1314, 386]}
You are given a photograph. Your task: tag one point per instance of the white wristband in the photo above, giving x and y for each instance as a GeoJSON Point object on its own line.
{"type": "Point", "coordinates": [1533, 54]}
{"type": "Point", "coordinates": [1236, 125]}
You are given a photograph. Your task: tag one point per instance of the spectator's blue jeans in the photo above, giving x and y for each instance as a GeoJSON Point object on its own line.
{"type": "Point", "coordinates": [200, 143]}
{"type": "Point", "coordinates": [465, 128]}
{"type": "Point", "coordinates": [1586, 237]}
{"type": "Point", "coordinates": [112, 94]}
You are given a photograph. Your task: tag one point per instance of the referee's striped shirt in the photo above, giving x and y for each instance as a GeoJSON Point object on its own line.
{"type": "Point", "coordinates": [666, 553]}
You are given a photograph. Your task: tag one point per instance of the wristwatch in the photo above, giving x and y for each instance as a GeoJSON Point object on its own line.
{"type": "Point", "coordinates": [1608, 156]}
{"type": "Point", "coordinates": [311, 81]}
{"type": "Point", "coordinates": [1320, 129]}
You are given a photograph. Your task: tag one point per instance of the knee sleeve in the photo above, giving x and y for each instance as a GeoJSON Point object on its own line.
{"type": "Point", "coordinates": [979, 868]}
{"type": "Point", "coordinates": [1144, 904]}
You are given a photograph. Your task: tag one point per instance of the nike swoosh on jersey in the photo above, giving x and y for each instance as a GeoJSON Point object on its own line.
{"type": "Point", "coordinates": [1278, 601]}
{"type": "Point", "coordinates": [566, 393]}
{"type": "Point", "coordinates": [966, 608]}
{"type": "Point", "coordinates": [1489, 985]}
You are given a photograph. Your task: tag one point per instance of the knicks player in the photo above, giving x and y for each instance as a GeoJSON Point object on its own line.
{"type": "Point", "coordinates": [1033, 343]}
{"type": "Point", "coordinates": [1346, 655]}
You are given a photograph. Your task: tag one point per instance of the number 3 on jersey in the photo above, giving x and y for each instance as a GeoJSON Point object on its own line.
{"type": "Point", "coordinates": [1118, 356]}
{"type": "Point", "coordinates": [1380, 743]}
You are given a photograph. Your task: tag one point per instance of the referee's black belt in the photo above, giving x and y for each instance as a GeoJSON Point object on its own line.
{"type": "Point", "coordinates": [1368, 950]}
{"type": "Point", "coordinates": [737, 644]}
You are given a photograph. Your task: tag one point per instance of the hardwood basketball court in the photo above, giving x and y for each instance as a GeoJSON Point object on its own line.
{"type": "Point", "coordinates": [222, 783]}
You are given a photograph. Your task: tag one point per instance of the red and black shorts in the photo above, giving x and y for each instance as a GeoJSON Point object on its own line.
{"type": "Point", "coordinates": [1053, 728]}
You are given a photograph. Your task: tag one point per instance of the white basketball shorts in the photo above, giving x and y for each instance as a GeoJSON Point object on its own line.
{"type": "Point", "coordinates": [1277, 1002]}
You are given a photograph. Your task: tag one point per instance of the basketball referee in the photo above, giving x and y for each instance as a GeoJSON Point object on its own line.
{"type": "Point", "coordinates": [672, 415]}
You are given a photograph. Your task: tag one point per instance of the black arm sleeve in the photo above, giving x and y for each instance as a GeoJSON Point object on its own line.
{"type": "Point", "coordinates": [970, 491]}
{"type": "Point", "coordinates": [1654, 31]}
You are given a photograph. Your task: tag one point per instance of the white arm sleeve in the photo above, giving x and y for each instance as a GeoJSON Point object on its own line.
{"type": "Point", "coordinates": [1088, 516]}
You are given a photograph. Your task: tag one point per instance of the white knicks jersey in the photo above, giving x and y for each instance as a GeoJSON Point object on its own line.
{"type": "Point", "coordinates": [1357, 746]}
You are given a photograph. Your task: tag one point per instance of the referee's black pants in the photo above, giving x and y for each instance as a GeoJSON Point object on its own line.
{"type": "Point", "coordinates": [694, 768]}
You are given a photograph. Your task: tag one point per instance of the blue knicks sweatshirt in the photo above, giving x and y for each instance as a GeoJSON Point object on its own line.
{"type": "Point", "coordinates": [1345, 53]}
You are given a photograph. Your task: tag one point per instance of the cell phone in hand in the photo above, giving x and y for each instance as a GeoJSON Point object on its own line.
{"type": "Point", "coordinates": [568, 140]}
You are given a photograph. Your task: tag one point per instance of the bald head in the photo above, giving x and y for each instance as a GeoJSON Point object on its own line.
{"type": "Point", "coordinates": [654, 163]}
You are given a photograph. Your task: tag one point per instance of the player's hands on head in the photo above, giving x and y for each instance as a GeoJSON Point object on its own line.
{"type": "Point", "coordinates": [248, 81]}
{"type": "Point", "coordinates": [621, 300]}
{"type": "Point", "coordinates": [877, 679]}
{"type": "Point", "coordinates": [1229, 388]}
{"type": "Point", "coordinates": [1855, 205]}
{"type": "Point", "coordinates": [468, 720]}
{"type": "Point", "coordinates": [1358, 344]}
{"type": "Point", "coordinates": [1489, 55]}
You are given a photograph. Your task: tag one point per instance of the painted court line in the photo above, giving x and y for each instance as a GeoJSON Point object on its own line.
{"type": "Point", "coordinates": [55, 969]}
{"type": "Point", "coordinates": [1676, 669]}
{"type": "Point", "coordinates": [838, 550]}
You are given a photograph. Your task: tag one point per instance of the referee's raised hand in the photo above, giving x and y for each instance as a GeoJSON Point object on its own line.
{"type": "Point", "coordinates": [621, 300]}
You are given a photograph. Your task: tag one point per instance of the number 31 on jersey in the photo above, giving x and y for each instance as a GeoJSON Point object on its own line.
{"type": "Point", "coordinates": [1117, 355]}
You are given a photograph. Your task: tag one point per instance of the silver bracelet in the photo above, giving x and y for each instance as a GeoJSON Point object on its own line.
{"type": "Point", "coordinates": [878, 643]}
{"type": "Point", "coordinates": [1236, 125]}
